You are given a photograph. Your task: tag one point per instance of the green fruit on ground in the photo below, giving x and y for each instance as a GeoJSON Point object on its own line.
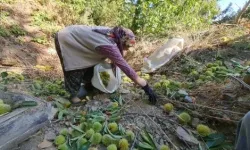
{"type": "Point", "coordinates": [60, 139]}
{"type": "Point", "coordinates": [97, 126]}
{"type": "Point", "coordinates": [209, 78]}
{"type": "Point", "coordinates": [130, 135]}
{"type": "Point", "coordinates": [184, 118]}
{"type": "Point", "coordinates": [96, 139]}
{"type": "Point", "coordinates": [157, 85]}
{"type": "Point", "coordinates": [218, 62]}
{"type": "Point", "coordinates": [113, 127]}
{"type": "Point", "coordinates": [164, 147]}
{"type": "Point", "coordinates": [64, 131]}
{"type": "Point", "coordinates": [107, 139]}
{"type": "Point", "coordinates": [165, 84]}
{"type": "Point", "coordinates": [82, 141]}
{"type": "Point", "coordinates": [246, 79]}
{"type": "Point", "coordinates": [209, 73]}
{"type": "Point", "coordinates": [214, 69]}
{"type": "Point", "coordinates": [209, 69]}
{"type": "Point", "coordinates": [89, 133]}
{"type": "Point", "coordinates": [168, 107]}
{"type": "Point", "coordinates": [4, 108]}
{"type": "Point", "coordinates": [63, 146]}
{"type": "Point", "coordinates": [202, 77]}
{"type": "Point", "coordinates": [112, 147]}
{"type": "Point", "coordinates": [115, 104]}
{"type": "Point", "coordinates": [203, 130]}
{"type": "Point", "coordinates": [194, 73]}
{"type": "Point", "coordinates": [123, 144]}
{"type": "Point", "coordinates": [209, 65]}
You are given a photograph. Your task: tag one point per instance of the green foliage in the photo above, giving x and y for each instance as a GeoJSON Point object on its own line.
{"type": "Point", "coordinates": [47, 88]}
{"type": "Point", "coordinates": [41, 40]}
{"type": "Point", "coordinates": [4, 32]}
{"type": "Point", "coordinates": [17, 30]}
{"type": "Point", "coordinates": [13, 77]}
{"type": "Point", "coordinates": [154, 17]}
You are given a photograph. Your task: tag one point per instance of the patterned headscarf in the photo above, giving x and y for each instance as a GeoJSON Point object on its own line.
{"type": "Point", "coordinates": [122, 36]}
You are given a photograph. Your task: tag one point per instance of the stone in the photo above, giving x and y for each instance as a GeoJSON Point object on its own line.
{"type": "Point", "coordinates": [45, 144]}
{"type": "Point", "coordinates": [50, 135]}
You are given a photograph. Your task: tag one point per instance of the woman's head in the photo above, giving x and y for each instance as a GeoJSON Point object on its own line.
{"type": "Point", "coordinates": [123, 37]}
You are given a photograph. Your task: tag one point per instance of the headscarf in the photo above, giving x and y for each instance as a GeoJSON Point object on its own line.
{"type": "Point", "coordinates": [122, 36]}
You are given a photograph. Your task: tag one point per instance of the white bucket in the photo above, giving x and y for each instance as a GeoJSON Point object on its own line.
{"type": "Point", "coordinates": [115, 79]}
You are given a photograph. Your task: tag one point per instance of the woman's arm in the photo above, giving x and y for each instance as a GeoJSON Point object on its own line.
{"type": "Point", "coordinates": [113, 53]}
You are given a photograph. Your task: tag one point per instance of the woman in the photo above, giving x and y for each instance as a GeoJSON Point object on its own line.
{"type": "Point", "coordinates": [243, 133]}
{"type": "Point", "coordinates": [81, 47]}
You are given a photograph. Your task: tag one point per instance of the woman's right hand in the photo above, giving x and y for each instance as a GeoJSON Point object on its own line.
{"type": "Point", "coordinates": [143, 83]}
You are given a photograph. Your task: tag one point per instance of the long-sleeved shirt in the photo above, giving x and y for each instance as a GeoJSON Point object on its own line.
{"type": "Point", "coordinates": [113, 53]}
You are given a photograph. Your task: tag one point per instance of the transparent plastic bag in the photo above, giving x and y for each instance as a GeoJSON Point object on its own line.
{"type": "Point", "coordinates": [162, 55]}
{"type": "Point", "coordinates": [115, 79]}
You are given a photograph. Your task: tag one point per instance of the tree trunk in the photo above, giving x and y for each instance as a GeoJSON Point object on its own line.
{"type": "Point", "coordinates": [243, 10]}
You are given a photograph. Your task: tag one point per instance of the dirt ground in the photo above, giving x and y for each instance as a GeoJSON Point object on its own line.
{"type": "Point", "coordinates": [209, 108]}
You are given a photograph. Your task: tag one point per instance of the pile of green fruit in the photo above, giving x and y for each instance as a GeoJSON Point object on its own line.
{"type": "Point", "coordinates": [4, 108]}
{"type": "Point", "coordinates": [96, 128]}
{"type": "Point", "coordinates": [213, 71]}
{"type": "Point", "coordinates": [105, 77]}
{"type": "Point", "coordinates": [164, 85]}
{"type": "Point", "coordinates": [48, 88]}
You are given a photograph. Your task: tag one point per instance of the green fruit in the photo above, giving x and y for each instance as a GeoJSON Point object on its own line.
{"type": "Point", "coordinates": [184, 118]}
{"type": "Point", "coordinates": [97, 126]}
{"type": "Point", "coordinates": [64, 131]}
{"type": "Point", "coordinates": [63, 146]}
{"type": "Point", "coordinates": [203, 130]}
{"type": "Point", "coordinates": [130, 135]}
{"type": "Point", "coordinates": [82, 141]}
{"type": "Point", "coordinates": [105, 77]}
{"type": "Point", "coordinates": [165, 84]}
{"type": "Point", "coordinates": [202, 77]}
{"type": "Point", "coordinates": [123, 144]}
{"type": "Point", "coordinates": [193, 73]}
{"type": "Point", "coordinates": [113, 127]}
{"type": "Point", "coordinates": [164, 147]}
{"type": "Point", "coordinates": [209, 78]}
{"type": "Point", "coordinates": [214, 69]}
{"type": "Point", "coordinates": [96, 139]}
{"type": "Point", "coordinates": [112, 147]}
{"type": "Point", "coordinates": [209, 65]}
{"type": "Point", "coordinates": [89, 133]}
{"type": "Point", "coordinates": [219, 63]}
{"type": "Point", "coordinates": [157, 85]}
{"type": "Point", "coordinates": [60, 139]}
{"type": "Point", "coordinates": [209, 73]}
{"type": "Point", "coordinates": [106, 139]}
{"type": "Point", "coordinates": [168, 107]}
{"type": "Point", "coordinates": [4, 108]}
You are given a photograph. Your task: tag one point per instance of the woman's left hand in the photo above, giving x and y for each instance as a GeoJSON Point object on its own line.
{"type": "Point", "coordinates": [150, 93]}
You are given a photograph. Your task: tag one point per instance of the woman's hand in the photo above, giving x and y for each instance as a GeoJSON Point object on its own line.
{"type": "Point", "coordinates": [143, 83]}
